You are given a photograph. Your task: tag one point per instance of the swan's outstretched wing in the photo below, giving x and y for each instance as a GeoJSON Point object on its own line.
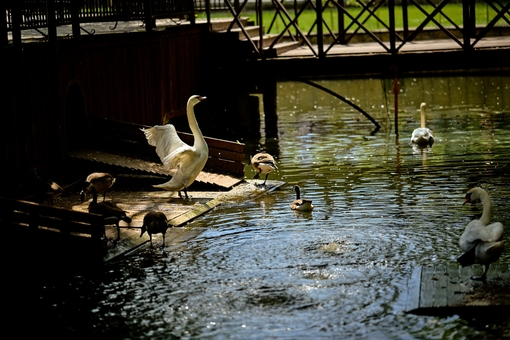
{"type": "Point", "coordinates": [181, 155]}
{"type": "Point", "coordinates": [164, 138]}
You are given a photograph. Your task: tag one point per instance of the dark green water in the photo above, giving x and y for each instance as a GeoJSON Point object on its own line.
{"type": "Point", "coordinates": [383, 208]}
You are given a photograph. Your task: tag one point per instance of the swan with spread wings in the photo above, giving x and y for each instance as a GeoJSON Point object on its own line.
{"type": "Point", "coordinates": [185, 160]}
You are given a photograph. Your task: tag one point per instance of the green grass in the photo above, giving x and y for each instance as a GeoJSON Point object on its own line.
{"type": "Point", "coordinates": [484, 13]}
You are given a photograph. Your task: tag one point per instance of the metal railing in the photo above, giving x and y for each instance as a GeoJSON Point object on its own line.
{"type": "Point", "coordinates": [334, 22]}
{"type": "Point", "coordinates": [353, 20]}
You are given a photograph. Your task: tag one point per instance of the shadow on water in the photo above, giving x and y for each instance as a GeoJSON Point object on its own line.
{"type": "Point", "coordinates": [260, 270]}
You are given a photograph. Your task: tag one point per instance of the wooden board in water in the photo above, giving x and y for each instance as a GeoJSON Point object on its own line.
{"type": "Point", "coordinates": [448, 290]}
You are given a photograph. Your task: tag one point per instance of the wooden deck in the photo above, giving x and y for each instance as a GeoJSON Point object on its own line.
{"type": "Point", "coordinates": [370, 48]}
{"type": "Point", "coordinates": [178, 211]}
{"type": "Point", "coordinates": [448, 290]}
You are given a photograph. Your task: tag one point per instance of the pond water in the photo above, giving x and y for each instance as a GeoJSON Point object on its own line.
{"type": "Point", "coordinates": [259, 270]}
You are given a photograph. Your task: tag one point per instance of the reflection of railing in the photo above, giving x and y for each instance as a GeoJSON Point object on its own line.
{"type": "Point", "coordinates": [334, 22]}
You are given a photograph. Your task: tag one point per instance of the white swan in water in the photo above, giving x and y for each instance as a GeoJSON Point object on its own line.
{"type": "Point", "coordinates": [481, 241]}
{"type": "Point", "coordinates": [422, 135]}
{"type": "Point", "coordinates": [186, 160]}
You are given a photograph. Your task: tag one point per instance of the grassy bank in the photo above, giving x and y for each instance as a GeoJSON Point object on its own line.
{"type": "Point", "coordinates": [306, 20]}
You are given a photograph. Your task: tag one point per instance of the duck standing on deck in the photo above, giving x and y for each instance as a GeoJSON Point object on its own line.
{"type": "Point", "coordinates": [45, 189]}
{"type": "Point", "coordinates": [264, 164]}
{"type": "Point", "coordinates": [155, 222]}
{"type": "Point", "coordinates": [111, 213]}
{"type": "Point", "coordinates": [101, 181]}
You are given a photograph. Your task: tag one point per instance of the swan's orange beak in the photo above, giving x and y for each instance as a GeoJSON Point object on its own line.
{"type": "Point", "coordinates": [202, 98]}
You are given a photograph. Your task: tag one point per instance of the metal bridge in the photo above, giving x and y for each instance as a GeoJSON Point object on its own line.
{"type": "Point", "coordinates": [272, 27]}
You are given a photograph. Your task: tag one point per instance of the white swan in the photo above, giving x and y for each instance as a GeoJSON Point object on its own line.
{"type": "Point", "coordinates": [299, 203]}
{"type": "Point", "coordinates": [481, 241]}
{"type": "Point", "coordinates": [186, 160]}
{"type": "Point", "coordinates": [422, 135]}
{"type": "Point", "coordinates": [263, 163]}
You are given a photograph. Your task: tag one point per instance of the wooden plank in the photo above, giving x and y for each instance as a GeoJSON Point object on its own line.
{"type": "Point", "coordinates": [448, 290]}
{"type": "Point", "coordinates": [192, 214]}
{"type": "Point", "coordinates": [413, 290]}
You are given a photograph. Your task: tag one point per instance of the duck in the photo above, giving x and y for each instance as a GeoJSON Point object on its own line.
{"type": "Point", "coordinates": [46, 189]}
{"type": "Point", "coordinates": [102, 181]}
{"type": "Point", "coordinates": [422, 136]}
{"type": "Point", "coordinates": [299, 203]}
{"type": "Point", "coordinates": [481, 242]}
{"type": "Point", "coordinates": [187, 161]}
{"type": "Point", "coordinates": [112, 213]}
{"type": "Point", "coordinates": [264, 164]}
{"type": "Point", "coordinates": [155, 222]}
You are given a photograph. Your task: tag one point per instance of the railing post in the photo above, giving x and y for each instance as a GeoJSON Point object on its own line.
{"type": "Point", "coordinates": [405, 19]}
{"type": "Point", "coordinates": [391, 10]}
{"type": "Point", "coordinates": [51, 21]}
{"type": "Point", "coordinates": [16, 22]}
{"type": "Point", "coordinates": [75, 18]}
{"type": "Point", "coordinates": [341, 23]}
{"type": "Point", "coordinates": [149, 21]}
{"type": "Point", "coordinates": [191, 5]}
{"type": "Point", "coordinates": [468, 14]}
{"type": "Point", "coordinates": [258, 5]}
{"type": "Point", "coordinates": [208, 12]}
{"type": "Point", "coordinates": [3, 24]}
{"type": "Point", "coordinates": [320, 36]}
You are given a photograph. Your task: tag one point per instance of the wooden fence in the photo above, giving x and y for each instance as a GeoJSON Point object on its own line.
{"type": "Point", "coordinates": [58, 233]}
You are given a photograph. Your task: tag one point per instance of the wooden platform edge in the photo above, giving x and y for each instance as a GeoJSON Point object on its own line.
{"type": "Point", "coordinates": [449, 290]}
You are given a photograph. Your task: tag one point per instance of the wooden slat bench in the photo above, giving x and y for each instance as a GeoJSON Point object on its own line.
{"type": "Point", "coordinates": [67, 230]}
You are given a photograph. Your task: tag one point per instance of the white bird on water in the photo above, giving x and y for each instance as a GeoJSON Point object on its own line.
{"type": "Point", "coordinates": [187, 161]}
{"type": "Point", "coordinates": [422, 136]}
{"type": "Point", "coordinates": [482, 242]}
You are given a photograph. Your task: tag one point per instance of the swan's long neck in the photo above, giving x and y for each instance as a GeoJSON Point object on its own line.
{"type": "Point", "coordinates": [423, 116]}
{"type": "Point", "coordinates": [193, 125]}
{"type": "Point", "coordinates": [487, 209]}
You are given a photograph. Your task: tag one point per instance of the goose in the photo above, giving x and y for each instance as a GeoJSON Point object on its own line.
{"type": "Point", "coordinates": [46, 189]}
{"type": "Point", "coordinates": [102, 181]}
{"type": "Point", "coordinates": [482, 242]}
{"type": "Point", "coordinates": [155, 222]}
{"type": "Point", "coordinates": [264, 164]}
{"type": "Point", "coordinates": [422, 136]}
{"type": "Point", "coordinates": [299, 203]}
{"type": "Point", "coordinates": [112, 213]}
{"type": "Point", "coordinates": [186, 160]}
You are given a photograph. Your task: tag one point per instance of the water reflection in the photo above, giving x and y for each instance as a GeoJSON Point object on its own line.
{"type": "Point", "coordinates": [382, 207]}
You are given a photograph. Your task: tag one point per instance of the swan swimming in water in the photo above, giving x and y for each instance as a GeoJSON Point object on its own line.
{"type": "Point", "coordinates": [299, 203]}
{"type": "Point", "coordinates": [186, 160]}
{"type": "Point", "coordinates": [481, 241]}
{"type": "Point", "coordinates": [422, 136]}
{"type": "Point", "coordinates": [263, 163]}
